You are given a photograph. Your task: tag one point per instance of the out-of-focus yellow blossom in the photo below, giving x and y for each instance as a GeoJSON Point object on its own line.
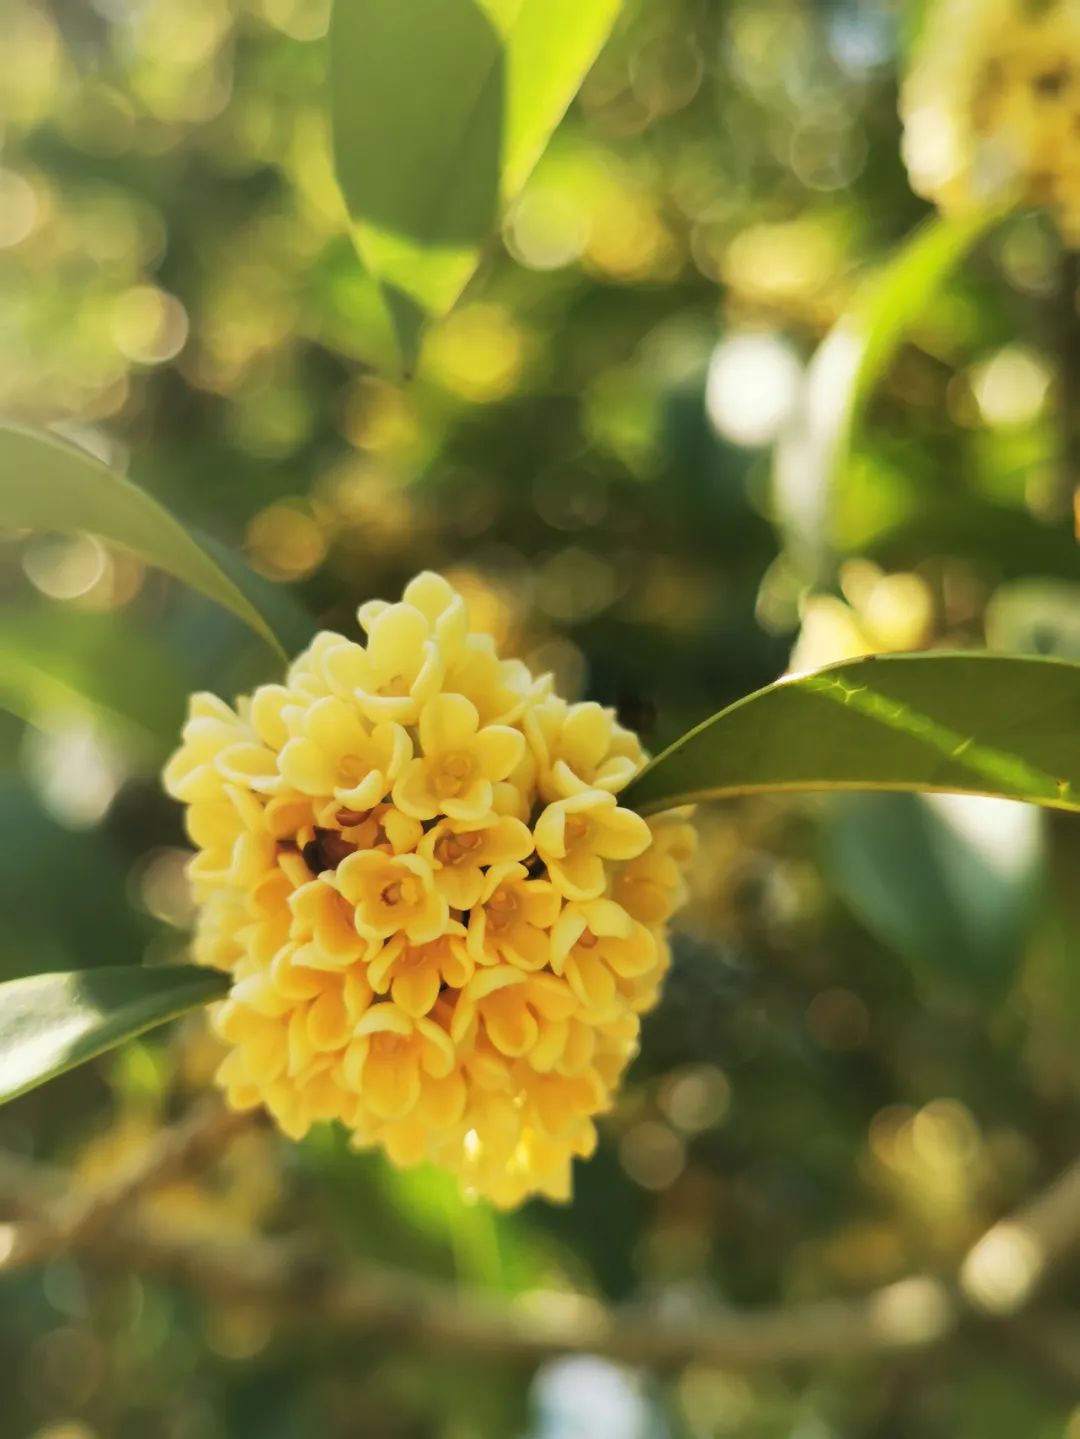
{"type": "Point", "coordinates": [991, 107]}
{"type": "Point", "coordinates": [440, 924]}
{"type": "Point", "coordinates": [652, 887]}
{"type": "Point", "coordinates": [878, 614]}
{"type": "Point", "coordinates": [240, 1193]}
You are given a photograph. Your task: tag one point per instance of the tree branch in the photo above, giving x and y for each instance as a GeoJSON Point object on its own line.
{"type": "Point", "coordinates": [1003, 1271]}
{"type": "Point", "coordinates": [1066, 498]}
{"type": "Point", "coordinates": [314, 1292]}
{"type": "Point", "coordinates": [63, 1217]}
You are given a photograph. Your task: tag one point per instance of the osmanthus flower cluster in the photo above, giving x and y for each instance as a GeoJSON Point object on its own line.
{"type": "Point", "coordinates": [441, 925]}
{"type": "Point", "coordinates": [991, 107]}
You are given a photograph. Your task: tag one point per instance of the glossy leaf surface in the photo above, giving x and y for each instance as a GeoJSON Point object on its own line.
{"type": "Point", "coordinates": [957, 723]}
{"type": "Point", "coordinates": [440, 110]}
{"type": "Point", "coordinates": [50, 1023]}
{"type": "Point", "coordinates": [48, 484]}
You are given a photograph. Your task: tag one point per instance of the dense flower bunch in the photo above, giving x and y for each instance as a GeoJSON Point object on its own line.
{"type": "Point", "coordinates": [441, 925]}
{"type": "Point", "coordinates": [991, 106]}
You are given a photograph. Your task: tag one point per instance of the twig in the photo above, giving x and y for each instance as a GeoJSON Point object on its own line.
{"type": "Point", "coordinates": [1066, 497]}
{"type": "Point", "coordinates": [180, 1150]}
{"type": "Point", "coordinates": [313, 1292]}
{"type": "Point", "coordinates": [305, 1291]}
{"type": "Point", "coordinates": [1004, 1269]}
{"type": "Point", "coordinates": [60, 1217]}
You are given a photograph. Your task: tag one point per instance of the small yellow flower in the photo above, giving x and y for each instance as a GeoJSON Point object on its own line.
{"type": "Point", "coordinates": [460, 764]}
{"type": "Point", "coordinates": [265, 713]}
{"type": "Point", "coordinates": [314, 673]}
{"type": "Point", "coordinates": [414, 975]}
{"type": "Point", "coordinates": [335, 754]}
{"type": "Point", "coordinates": [594, 945]}
{"type": "Point", "coordinates": [323, 918]}
{"type": "Point", "coordinates": [439, 925]}
{"type": "Point", "coordinates": [440, 604]}
{"type": "Point", "coordinates": [460, 853]}
{"type": "Point", "coordinates": [510, 924]}
{"type": "Point", "coordinates": [641, 992]}
{"type": "Point", "coordinates": [400, 669]}
{"type": "Point", "coordinates": [500, 689]}
{"type": "Point", "coordinates": [211, 728]}
{"type": "Point", "coordinates": [989, 106]}
{"type": "Point", "coordinates": [390, 1056]}
{"type": "Point", "coordinates": [653, 886]}
{"type": "Point", "coordinates": [581, 747]}
{"type": "Point", "coordinates": [271, 920]}
{"type": "Point", "coordinates": [220, 930]}
{"type": "Point", "coordinates": [575, 836]}
{"type": "Point", "coordinates": [392, 894]}
{"type": "Point", "coordinates": [383, 827]}
{"type": "Point", "coordinates": [556, 1103]}
{"type": "Point", "coordinates": [512, 1006]}
{"type": "Point", "coordinates": [234, 845]}
{"type": "Point", "coordinates": [539, 1164]}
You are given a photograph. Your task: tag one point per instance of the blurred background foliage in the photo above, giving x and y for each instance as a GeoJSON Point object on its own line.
{"type": "Point", "coordinates": [867, 1050]}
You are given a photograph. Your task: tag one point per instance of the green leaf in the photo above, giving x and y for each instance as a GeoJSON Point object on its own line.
{"type": "Point", "coordinates": [59, 661]}
{"type": "Point", "coordinates": [956, 723]}
{"type": "Point", "coordinates": [440, 110]}
{"type": "Point", "coordinates": [949, 882]}
{"type": "Point", "coordinates": [912, 25]}
{"type": "Point", "coordinates": [49, 1023]}
{"type": "Point", "coordinates": [48, 484]}
{"type": "Point", "coordinates": [845, 371]}
{"type": "Point", "coordinates": [85, 931]}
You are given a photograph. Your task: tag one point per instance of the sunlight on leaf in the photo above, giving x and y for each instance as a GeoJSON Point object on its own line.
{"type": "Point", "coordinates": [846, 369]}
{"type": "Point", "coordinates": [48, 484]}
{"type": "Point", "coordinates": [440, 110]}
{"type": "Point", "coordinates": [950, 883]}
{"type": "Point", "coordinates": [956, 723]}
{"type": "Point", "coordinates": [58, 662]}
{"type": "Point", "coordinates": [50, 1023]}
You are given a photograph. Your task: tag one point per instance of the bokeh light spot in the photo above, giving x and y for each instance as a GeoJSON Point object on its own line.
{"type": "Point", "coordinates": [477, 352]}
{"type": "Point", "coordinates": [149, 326]}
{"type": "Point", "coordinates": [696, 1097]}
{"type": "Point", "coordinates": [1011, 387]}
{"type": "Point", "coordinates": [19, 209]}
{"type": "Point", "coordinates": [64, 568]}
{"type": "Point", "coordinates": [652, 1154]}
{"type": "Point", "coordinates": [547, 228]}
{"type": "Point", "coordinates": [751, 388]}
{"type": "Point", "coordinates": [285, 543]}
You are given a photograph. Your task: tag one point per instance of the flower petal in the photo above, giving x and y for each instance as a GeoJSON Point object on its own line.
{"type": "Point", "coordinates": [447, 723]}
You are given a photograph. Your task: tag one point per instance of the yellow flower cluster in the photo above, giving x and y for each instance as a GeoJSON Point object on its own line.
{"type": "Point", "coordinates": [991, 107]}
{"type": "Point", "coordinates": [441, 925]}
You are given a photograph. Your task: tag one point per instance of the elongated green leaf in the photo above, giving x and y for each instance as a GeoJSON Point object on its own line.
{"type": "Point", "coordinates": [846, 369]}
{"type": "Point", "coordinates": [47, 484]}
{"type": "Point", "coordinates": [958, 723]}
{"type": "Point", "coordinates": [950, 883]}
{"type": "Point", "coordinates": [440, 110]}
{"type": "Point", "coordinates": [36, 932]}
{"type": "Point", "coordinates": [51, 1022]}
{"type": "Point", "coordinates": [60, 662]}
